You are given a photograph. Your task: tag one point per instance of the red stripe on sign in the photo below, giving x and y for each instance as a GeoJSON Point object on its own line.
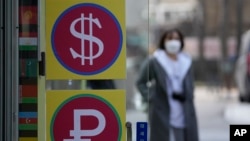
{"type": "Point", "coordinates": [28, 15]}
{"type": "Point", "coordinates": [23, 67]}
{"type": "Point", "coordinates": [28, 34]}
{"type": "Point", "coordinates": [27, 120]}
{"type": "Point", "coordinates": [28, 90]}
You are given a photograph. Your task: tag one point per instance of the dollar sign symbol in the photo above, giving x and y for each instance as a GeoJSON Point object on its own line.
{"type": "Point", "coordinates": [92, 39]}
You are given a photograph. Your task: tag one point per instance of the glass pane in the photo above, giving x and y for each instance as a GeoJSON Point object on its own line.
{"type": "Point", "coordinates": [137, 51]}
{"type": "Point", "coordinates": [216, 39]}
{"type": "Point", "coordinates": [212, 34]}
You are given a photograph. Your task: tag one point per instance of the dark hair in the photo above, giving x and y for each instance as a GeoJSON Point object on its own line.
{"type": "Point", "coordinates": [166, 33]}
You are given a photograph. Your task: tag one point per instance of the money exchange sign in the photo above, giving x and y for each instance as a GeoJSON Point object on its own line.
{"type": "Point", "coordinates": [85, 40]}
{"type": "Point", "coordinates": [85, 115]}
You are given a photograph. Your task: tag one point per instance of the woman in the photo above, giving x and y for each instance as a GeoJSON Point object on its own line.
{"type": "Point", "coordinates": [171, 106]}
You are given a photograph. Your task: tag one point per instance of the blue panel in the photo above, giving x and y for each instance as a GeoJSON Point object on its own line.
{"type": "Point", "coordinates": [27, 114]}
{"type": "Point", "coordinates": [141, 131]}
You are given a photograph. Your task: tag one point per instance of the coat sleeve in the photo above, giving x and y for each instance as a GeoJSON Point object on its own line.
{"type": "Point", "coordinates": [145, 76]}
{"type": "Point", "coordinates": [192, 78]}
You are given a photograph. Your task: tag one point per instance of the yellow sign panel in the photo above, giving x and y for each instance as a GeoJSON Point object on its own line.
{"type": "Point", "coordinates": [85, 39]}
{"type": "Point", "coordinates": [93, 115]}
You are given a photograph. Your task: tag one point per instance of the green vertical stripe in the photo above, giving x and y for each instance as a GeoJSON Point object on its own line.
{"type": "Point", "coordinates": [31, 67]}
{"type": "Point", "coordinates": [27, 47]}
{"type": "Point", "coordinates": [28, 68]}
{"type": "Point", "coordinates": [27, 126]}
{"type": "Point", "coordinates": [29, 100]}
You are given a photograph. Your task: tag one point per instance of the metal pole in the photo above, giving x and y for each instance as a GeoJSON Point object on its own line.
{"type": "Point", "coordinates": [129, 131]}
{"type": "Point", "coordinates": [11, 71]}
{"type": "Point", "coordinates": [202, 25]}
{"type": "Point", "coordinates": [1, 70]}
{"type": "Point", "coordinates": [224, 27]}
{"type": "Point", "coordinates": [239, 16]}
{"type": "Point", "coordinates": [7, 67]}
{"type": "Point", "coordinates": [223, 37]}
{"type": "Point", "coordinates": [201, 33]}
{"type": "Point", "coordinates": [15, 70]}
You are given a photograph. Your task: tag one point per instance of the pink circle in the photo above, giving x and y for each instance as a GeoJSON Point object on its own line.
{"type": "Point", "coordinates": [63, 120]}
{"type": "Point", "coordinates": [108, 31]}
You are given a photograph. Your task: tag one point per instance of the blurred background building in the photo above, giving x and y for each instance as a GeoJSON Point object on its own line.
{"type": "Point", "coordinates": [212, 28]}
{"type": "Point", "coordinates": [172, 12]}
{"type": "Point", "coordinates": [213, 32]}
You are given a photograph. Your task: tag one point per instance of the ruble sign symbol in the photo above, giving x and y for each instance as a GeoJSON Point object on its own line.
{"type": "Point", "coordinates": [77, 133]}
{"type": "Point", "coordinates": [89, 37]}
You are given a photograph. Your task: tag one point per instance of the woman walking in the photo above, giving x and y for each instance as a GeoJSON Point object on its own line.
{"type": "Point", "coordinates": [170, 96]}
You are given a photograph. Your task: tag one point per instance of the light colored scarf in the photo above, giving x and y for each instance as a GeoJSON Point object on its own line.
{"type": "Point", "coordinates": [174, 69]}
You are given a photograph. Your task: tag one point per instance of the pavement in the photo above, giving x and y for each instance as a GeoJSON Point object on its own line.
{"type": "Point", "coordinates": [216, 110]}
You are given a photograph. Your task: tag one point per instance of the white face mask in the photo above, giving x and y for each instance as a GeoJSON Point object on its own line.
{"type": "Point", "coordinates": [173, 46]}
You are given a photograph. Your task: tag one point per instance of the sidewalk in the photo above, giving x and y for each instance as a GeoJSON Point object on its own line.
{"type": "Point", "coordinates": [235, 112]}
{"type": "Point", "coordinates": [238, 113]}
{"type": "Point", "coordinates": [210, 106]}
{"type": "Point", "coordinates": [215, 112]}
